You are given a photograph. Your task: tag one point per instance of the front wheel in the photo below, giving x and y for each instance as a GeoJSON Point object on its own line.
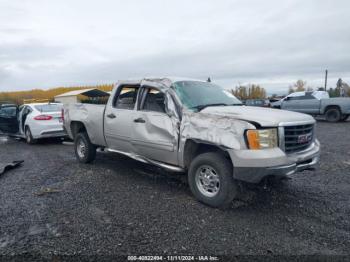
{"type": "Point", "coordinates": [210, 177]}
{"type": "Point", "coordinates": [85, 151]}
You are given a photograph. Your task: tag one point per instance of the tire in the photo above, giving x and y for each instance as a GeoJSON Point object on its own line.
{"type": "Point", "coordinates": [217, 190]}
{"type": "Point", "coordinates": [333, 115]}
{"type": "Point", "coordinates": [29, 138]}
{"type": "Point", "coordinates": [85, 151]}
{"type": "Point", "coordinates": [344, 118]}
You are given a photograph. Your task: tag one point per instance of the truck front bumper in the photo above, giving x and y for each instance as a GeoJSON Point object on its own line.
{"type": "Point", "coordinates": [254, 165]}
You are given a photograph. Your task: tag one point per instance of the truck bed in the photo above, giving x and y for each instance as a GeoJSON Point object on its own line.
{"type": "Point", "coordinates": [342, 102]}
{"type": "Point", "coordinates": [91, 116]}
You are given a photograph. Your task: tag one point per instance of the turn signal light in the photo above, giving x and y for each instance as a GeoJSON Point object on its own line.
{"type": "Point", "coordinates": [253, 139]}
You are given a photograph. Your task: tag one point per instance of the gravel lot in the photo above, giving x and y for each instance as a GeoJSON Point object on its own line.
{"type": "Point", "coordinates": [54, 205]}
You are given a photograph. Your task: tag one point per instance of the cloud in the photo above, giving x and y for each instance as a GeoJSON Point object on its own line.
{"type": "Point", "coordinates": [273, 43]}
{"type": "Point", "coordinates": [29, 52]}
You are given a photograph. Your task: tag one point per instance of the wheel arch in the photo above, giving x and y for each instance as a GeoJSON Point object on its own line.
{"type": "Point", "coordinates": [77, 127]}
{"type": "Point", "coordinates": [332, 106]}
{"type": "Point", "coordinates": [194, 147]}
{"type": "Point", "coordinates": [26, 127]}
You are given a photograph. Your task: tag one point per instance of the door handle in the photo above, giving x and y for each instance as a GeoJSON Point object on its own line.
{"type": "Point", "coordinates": [139, 120]}
{"type": "Point", "coordinates": [111, 115]}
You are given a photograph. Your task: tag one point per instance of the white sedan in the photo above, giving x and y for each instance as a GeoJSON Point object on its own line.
{"type": "Point", "coordinates": [32, 121]}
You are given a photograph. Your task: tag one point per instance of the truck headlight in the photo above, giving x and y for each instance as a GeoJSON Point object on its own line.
{"type": "Point", "coordinates": [262, 139]}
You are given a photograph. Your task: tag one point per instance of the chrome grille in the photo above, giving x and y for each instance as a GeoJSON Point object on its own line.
{"type": "Point", "coordinates": [298, 138]}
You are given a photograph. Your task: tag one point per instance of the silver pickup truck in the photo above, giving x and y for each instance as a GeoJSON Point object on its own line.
{"type": "Point", "coordinates": [316, 103]}
{"type": "Point", "coordinates": [197, 128]}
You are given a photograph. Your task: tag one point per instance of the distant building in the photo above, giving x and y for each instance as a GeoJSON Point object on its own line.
{"type": "Point", "coordinates": [77, 96]}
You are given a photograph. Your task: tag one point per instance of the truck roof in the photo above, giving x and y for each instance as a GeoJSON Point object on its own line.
{"type": "Point", "coordinates": [164, 81]}
{"type": "Point", "coordinates": [317, 94]}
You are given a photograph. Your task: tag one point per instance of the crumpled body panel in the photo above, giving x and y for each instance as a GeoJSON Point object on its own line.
{"type": "Point", "coordinates": [214, 129]}
{"type": "Point", "coordinates": [265, 117]}
{"type": "Point", "coordinates": [92, 117]}
{"type": "Point", "coordinates": [157, 138]}
{"type": "Point", "coordinates": [222, 131]}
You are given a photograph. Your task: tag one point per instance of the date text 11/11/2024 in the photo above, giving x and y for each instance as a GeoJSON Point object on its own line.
{"type": "Point", "coordinates": [173, 258]}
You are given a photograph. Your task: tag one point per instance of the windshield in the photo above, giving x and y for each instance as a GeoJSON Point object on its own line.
{"type": "Point", "coordinates": [49, 108]}
{"type": "Point", "coordinates": [194, 94]}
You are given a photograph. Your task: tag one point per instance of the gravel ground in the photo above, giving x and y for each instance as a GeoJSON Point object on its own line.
{"type": "Point", "coordinates": [54, 205]}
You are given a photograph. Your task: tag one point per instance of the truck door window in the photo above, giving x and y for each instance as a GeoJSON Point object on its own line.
{"type": "Point", "coordinates": [309, 95]}
{"type": "Point", "coordinates": [154, 101]}
{"type": "Point", "coordinates": [126, 98]}
{"type": "Point", "coordinates": [295, 98]}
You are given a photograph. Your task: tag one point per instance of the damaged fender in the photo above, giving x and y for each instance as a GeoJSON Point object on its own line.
{"type": "Point", "coordinates": [219, 130]}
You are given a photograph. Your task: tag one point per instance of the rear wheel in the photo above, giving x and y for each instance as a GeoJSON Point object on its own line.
{"type": "Point", "coordinates": [210, 177]}
{"type": "Point", "coordinates": [85, 151]}
{"type": "Point", "coordinates": [29, 137]}
{"type": "Point", "coordinates": [333, 114]}
{"type": "Point", "coordinates": [344, 117]}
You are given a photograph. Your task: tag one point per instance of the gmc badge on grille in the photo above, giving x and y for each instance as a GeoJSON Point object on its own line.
{"type": "Point", "coordinates": [303, 139]}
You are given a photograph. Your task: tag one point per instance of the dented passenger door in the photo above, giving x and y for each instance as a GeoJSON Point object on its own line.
{"type": "Point", "coordinates": [155, 129]}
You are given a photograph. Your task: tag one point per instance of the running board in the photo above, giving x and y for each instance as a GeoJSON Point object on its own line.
{"type": "Point", "coordinates": [148, 161]}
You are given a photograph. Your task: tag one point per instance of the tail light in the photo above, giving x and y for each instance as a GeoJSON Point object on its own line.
{"type": "Point", "coordinates": [43, 117]}
{"type": "Point", "coordinates": [62, 114]}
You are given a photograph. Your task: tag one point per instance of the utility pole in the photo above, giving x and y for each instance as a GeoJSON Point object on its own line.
{"type": "Point", "coordinates": [325, 81]}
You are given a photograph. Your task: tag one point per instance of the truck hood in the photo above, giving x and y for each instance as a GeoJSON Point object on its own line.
{"type": "Point", "coordinates": [265, 117]}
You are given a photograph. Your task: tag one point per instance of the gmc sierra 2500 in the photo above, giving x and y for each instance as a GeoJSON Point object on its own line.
{"type": "Point", "coordinates": [198, 128]}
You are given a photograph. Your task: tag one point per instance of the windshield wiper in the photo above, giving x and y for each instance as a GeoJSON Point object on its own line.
{"type": "Point", "coordinates": [201, 107]}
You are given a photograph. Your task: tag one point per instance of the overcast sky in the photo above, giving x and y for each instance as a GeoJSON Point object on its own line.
{"type": "Point", "coordinates": [51, 43]}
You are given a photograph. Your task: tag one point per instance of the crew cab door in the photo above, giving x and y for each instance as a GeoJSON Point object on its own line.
{"type": "Point", "coordinates": [118, 118]}
{"type": "Point", "coordinates": [155, 129]}
{"type": "Point", "coordinates": [310, 104]}
{"type": "Point", "coordinates": [8, 119]}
